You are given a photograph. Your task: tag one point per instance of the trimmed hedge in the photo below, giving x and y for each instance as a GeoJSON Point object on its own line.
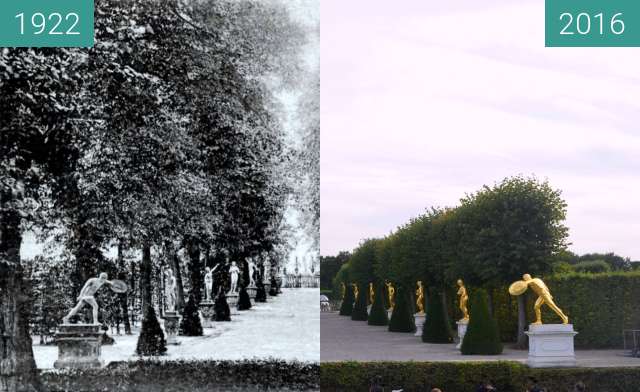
{"type": "Point", "coordinates": [151, 340]}
{"type": "Point", "coordinates": [435, 326]}
{"type": "Point", "coordinates": [378, 315]}
{"type": "Point", "coordinates": [187, 376]}
{"type": "Point", "coordinates": [359, 312]}
{"type": "Point", "coordinates": [190, 324]}
{"type": "Point", "coordinates": [402, 317]}
{"type": "Point", "coordinates": [599, 306]}
{"type": "Point", "coordinates": [465, 376]}
{"type": "Point", "coordinates": [483, 336]}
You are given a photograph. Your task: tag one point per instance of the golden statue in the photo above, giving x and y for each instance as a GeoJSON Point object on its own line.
{"type": "Point", "coordinates": [371, 294]}
{"type": "Point", "coordinates": [464, 298]}
{"type": "Point", "coordinates": [355, 291]}
{"type": "Point", "coordinates": [544, 296]}
{"type": "Point", "coordinates": [420, 298]}
{"type": "Point", "coordinates": [344, 290]}
{"type": "Point", "coordinates": [391, 294]}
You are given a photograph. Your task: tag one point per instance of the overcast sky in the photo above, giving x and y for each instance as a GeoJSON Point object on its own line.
{"type": "Point", "coordinates": [423, 102]}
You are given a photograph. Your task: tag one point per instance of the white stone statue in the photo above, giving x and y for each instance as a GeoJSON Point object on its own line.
{"type": "Point", "coordinates": [208, 283]}
{"type": "Point", "coordinates": [234, 272]}
{"type": "Point", "coordinates": [252, 270]}
{"type": "Point", "coordinates": [86, 296]}
{"type": "Point", "coordinates": [170, 291]}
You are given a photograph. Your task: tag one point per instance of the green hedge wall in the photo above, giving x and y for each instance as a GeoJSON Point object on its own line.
{"type": "Point", "coordinates": [187, 376]}
{"type": "Point", "coordinates": [599, 306]}
{"type": "Point", "coordinates": [464, 376]}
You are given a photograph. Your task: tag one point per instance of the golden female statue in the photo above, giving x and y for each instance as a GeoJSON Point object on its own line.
{"type": "Point", "coordinates": [420, 298]}
{"type": "Point", "coordinates": [391, 294]}
{"type": "Point", "coordinates": [344, 290]}
{"type": "Point", "coordinates": [464, 298]}
{"type": "Point", "coordinates": [355, 291]}
{"type": "Point", "coordinates": [544, 296]}
{"type": "Point", "coordinates": [371, 294]}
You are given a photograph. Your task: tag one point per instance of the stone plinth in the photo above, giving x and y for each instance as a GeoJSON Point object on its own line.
{"type": "Point", "coordinates": [78, 346]}
{"type": "Point", "coordinates": [232, 300]}
{"type": "Point", "coordinates": [462, 330]}
{"type": "Point", "coordinates": [551, 345]}
{"type": "Point", "coordinates": [369, 309]}
{"type": "Point", "coordinates": [389, 313]}
{"type": "Point", "coordinates": [419, 318]}
{"type": "Point", "coordinates": [207, 309]}
{"type": "Point", "coordinates": [252, 290]}
{"type": "Point", "coordinates": [172, 327]}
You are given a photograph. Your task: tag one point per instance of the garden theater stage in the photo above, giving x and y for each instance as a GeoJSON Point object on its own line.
{"type": "Point", "coordinates": [345, 340]}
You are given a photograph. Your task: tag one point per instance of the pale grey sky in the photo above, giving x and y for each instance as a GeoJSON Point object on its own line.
{"type": "Point", "coordinates": [423, 102]}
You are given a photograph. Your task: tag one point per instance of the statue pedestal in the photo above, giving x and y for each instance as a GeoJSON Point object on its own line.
{"type": "Point", "coordinates": [252, 290]}
{"type": "Point", "coordinates": [551, 345]}
{"type": "Point", "coordinates": [232, 300]}
{"type": "Point", "coordinates": [208, 313]}
{"type": "Point", "coordinates": [419, 318]}
{"type": "Point", "coordinates": [389, 313]}
{"type": "Point", "coordinates": [267, 287]}
{"type": "Point", "coordinates": [78, 346]}
{"type": "Point", "coordinates": [462, 330]}
{"type": "Point", "coordinates": [369, 309]}
{"type": "Point", "coordinates": [171, 327]}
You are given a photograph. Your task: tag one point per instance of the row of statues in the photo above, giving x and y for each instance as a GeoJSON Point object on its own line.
{"type": "Point", "coordinates": [517, 288]}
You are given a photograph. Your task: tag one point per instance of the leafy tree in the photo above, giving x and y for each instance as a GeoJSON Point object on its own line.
{"type": "Point", "coordinates": [592, 266]}
{"type": "Point", "coordinates": [482, 337]}
{"type": "Point", "coordinates": [329, 267]}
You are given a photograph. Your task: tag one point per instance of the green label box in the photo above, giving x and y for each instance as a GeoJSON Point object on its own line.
{"type": "Point", "coordinates": [46, 23]}
{"type": "Point", "coordinates": [595, 23]}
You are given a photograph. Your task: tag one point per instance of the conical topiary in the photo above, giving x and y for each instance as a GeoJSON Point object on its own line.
{"type": "Point", "coordinates": [435, 328]}
{"type": "Point", "coordinates": [402, 317]}
{"type": "Point", "coordinates": [359, 312]}
{"type": "Point", "coordinates": [221, 309]}
{"type": "Point", "coordinates": [151, 340]}
{"type": "Point", "coordinates": [261, 292]}
{"type": "Point", "coordinates": [244, 301]}
{"type": "Point", "coordinates": [483, 336]}
{"type": "Point", "coordinates": [190, 324]}
{"type": "Point", "coordinates": [347, 302]}
{"type": "Point", "coordinates": [378, 315]}
{"type": "Point", "coordinates": [274, 287]}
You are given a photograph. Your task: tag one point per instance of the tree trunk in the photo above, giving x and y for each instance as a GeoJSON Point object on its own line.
{"type": "Point", "coordinates": [522, 321]}
{"type": "Point", "coordinates": [174, 262]}
{"type": "Point", "coordinates": [124, 300]}
{"type": "Point", "coordinates": [132, 292]}
{"type": "Point", "coordinates": [145, 278]}
{"type": "Point", "coordinates": [195, 269]}
{"type": "Point", "coordinates": [445, 310]}
{"type": "Point", "coordinates": [17, 366]}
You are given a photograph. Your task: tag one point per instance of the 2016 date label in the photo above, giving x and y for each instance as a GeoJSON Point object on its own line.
{"type": "Point", "coordinates": [596, 23]}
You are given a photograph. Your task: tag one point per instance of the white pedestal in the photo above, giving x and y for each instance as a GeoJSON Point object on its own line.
{"type": "Point", "coordinates": [419, 323]}
{"type": "Point", "coordinates": [79, 346]}
{"type": "Point", "coordinates": [171, 327]}
{"type": "Point", "coordinates": [389, 313]}
{"type": "Point", "coordinates": [368, 309]}
{"type": "Point", "coordinates": [551, 345]}
{"type": "Point", "coordinates": [462, 330]}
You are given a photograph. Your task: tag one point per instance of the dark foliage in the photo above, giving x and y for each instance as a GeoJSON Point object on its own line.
{"type": "Point", "coordinates": [261, 292]}
{"type": "Point", "coordinates": [347, 303]}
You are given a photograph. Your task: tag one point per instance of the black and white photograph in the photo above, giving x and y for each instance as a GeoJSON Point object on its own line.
{"type": "Point", "coordinates": [160, 201]}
